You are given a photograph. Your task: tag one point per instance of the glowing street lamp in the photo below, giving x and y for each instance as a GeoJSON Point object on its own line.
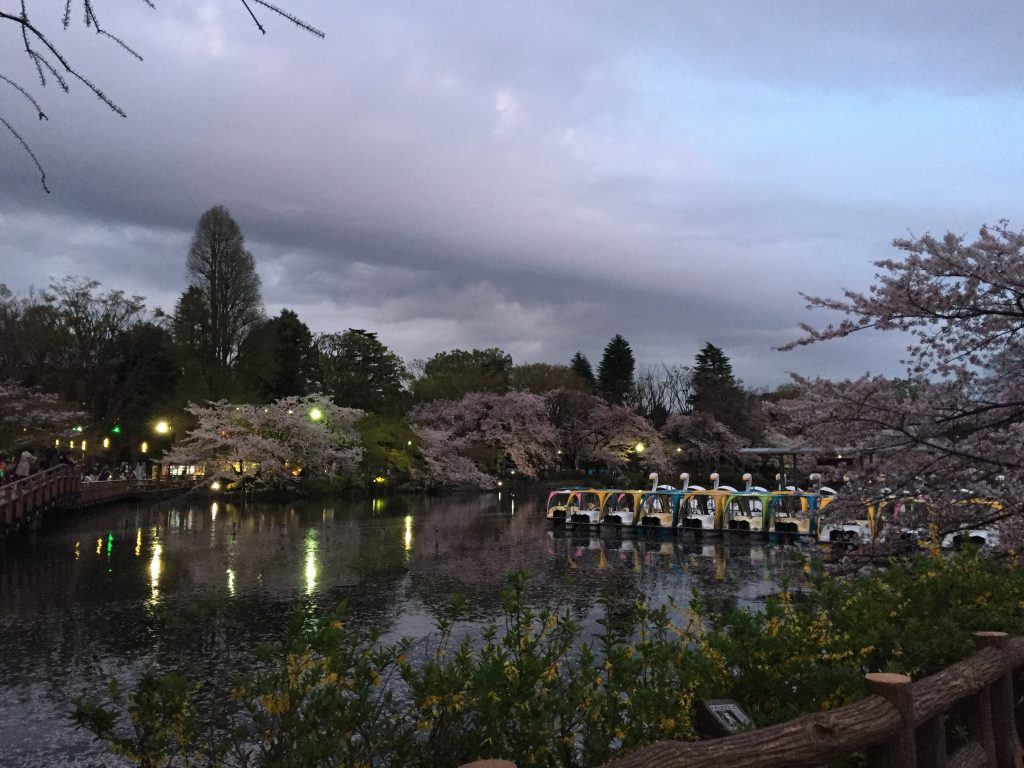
{"type": "Point", "coordinates": [315, 414]}
{"type": "Point", "coordinates": [639, 447]}
{"type": "Point", "coordinates": [144, 447]}
{"type": "Point", "coordinates": [162, 428]}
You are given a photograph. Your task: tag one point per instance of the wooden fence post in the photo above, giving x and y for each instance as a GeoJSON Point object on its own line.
{"type": "Point", "coordinates": [1007, 745]}
{"type": "Point", "coordinates": [931, 743]}
{"type": "Point", "coordinates": [901, 753]}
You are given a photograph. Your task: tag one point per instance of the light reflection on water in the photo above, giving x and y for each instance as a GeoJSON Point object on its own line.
{"type": "Point", "coordinates": [204, 583]}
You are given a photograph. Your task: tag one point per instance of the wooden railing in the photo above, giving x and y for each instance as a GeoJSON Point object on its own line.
{"type": "Point", "coordinates": [903, 724]}
{"type": "Point", "coordinates": [20, 501]}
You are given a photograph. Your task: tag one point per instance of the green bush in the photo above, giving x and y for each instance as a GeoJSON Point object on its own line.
{"type": "Point", "coordinates": [533, 691]}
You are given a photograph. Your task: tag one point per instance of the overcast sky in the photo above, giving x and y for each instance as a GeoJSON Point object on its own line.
{"type": "Point", "coordinates": [535, 176]}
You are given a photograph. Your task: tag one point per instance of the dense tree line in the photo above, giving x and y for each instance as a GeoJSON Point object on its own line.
{"type": "Point", "coordinates": [460, 417]}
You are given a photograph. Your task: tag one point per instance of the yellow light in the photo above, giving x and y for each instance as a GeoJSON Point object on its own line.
{"type": "Point", "coordinates": [215, 486]}
{"type": "Point", "coordinates": [72, 443]}
{"type": "Point", "coordinates": [138, 543]}
{"type": "Point", "coordinates": [407, 539]}
{"type": "Point", "coordinates": [679, 450]}
{"type": "Point", "coordinates": [640, 447]}
{"type": "Point", "coordinates": [311, 546]}
{"type": "Point", "coordinates": [83, 446]}
{"type": "Point", "coordinates": [162, 428]}
{"type": "Point", "coordinates": [56, 443]}
{"type": "Point", "coordinates": [154, 574]}
{"type": "Point", "coordinates": [106, 442]}
{"type": "Point", "coordinates": [315, 413]}
{"type": "Point", "coordinates": [144, 447]}
{"type": "Point", "coordinates": [380, 480]}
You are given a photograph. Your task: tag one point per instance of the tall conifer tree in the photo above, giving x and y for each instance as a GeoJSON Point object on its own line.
{"type": "Point", "coordinates": [615, 372]}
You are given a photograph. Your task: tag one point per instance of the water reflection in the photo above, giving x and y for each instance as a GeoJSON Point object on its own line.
{"type": "Point", "coordinates": [154, 574]}
{"type": "Point", "coordinates": [68, 623]}
{"type": "Point", "coordinates": [310, 560]}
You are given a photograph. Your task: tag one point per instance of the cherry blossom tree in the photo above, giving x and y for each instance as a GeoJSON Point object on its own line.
{"type": "Point", "coordinates": [272, 444]}
{"type": "Point", "coordinates": [28, 415]}
{"type": "Point", "coordinates": [953, 429]}
{"type": "Point", "coordinates": [704, 440]}
{"type": "Point", "coordinates": [593, 431]}
{"type": "Point", "coordinates": [468, 441]}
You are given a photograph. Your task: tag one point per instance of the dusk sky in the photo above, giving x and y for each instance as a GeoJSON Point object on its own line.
{"type": "Point", "coordinates": [535, 176]}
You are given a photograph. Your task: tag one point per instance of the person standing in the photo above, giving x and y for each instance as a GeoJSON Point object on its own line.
{"type": "Point", "coordinates": [24, 468]}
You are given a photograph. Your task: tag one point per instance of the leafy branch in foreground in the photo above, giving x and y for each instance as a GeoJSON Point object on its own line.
{"type": "Point", "coordinates": [51, 63]}
{"type": "Point", "coordinates": [531, 689]}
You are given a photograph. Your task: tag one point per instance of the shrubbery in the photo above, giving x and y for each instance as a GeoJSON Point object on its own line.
{"type": "Point", "coordinates": [531, 689]}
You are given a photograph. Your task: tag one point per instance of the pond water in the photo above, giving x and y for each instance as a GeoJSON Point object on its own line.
{"type": "Point", "coordinates": [101, 593]}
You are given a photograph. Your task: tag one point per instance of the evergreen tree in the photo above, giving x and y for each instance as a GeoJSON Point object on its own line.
{"type": "Point", "coordinates": [582, 368]}
{"type": "Point", "coordinates": [359, 371]}
{"type": "Point", "coordinates": [615, 372]}
{"type": "Point", "coordinates": [718, 393]}
{"type": "Point", "coordinates": [711, 369]}
{"type": "Point", "coordinates": [454, 374]}
{"type": "Point", "coordinates": [276, 360]}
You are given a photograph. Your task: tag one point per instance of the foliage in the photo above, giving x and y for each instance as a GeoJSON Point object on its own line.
{"type": "Point", "coordinates": [272, 444]}
{"type": "Point", "coordinates": [276, 359]}
{"type": "Point", "coordinates": [481, 435]}
{"type": "Point", "coordinates": [223, 273]}
{"type": "Point", "coordinates": [706, 443]}
{"type": "Point", "coordinates": [810, 651]}
{"type": "Point", "coordinates": [715, 391]}
{"type": "Point", "coordinates": [615, 371]}
{"type": "Point", "coordinates": [359, 371]}
{"type": "Point", "coordinates": [29, 416]}
{"type": "Point", "coordinates": [593, 432]}
{"type": "Point", "coordinates": [541, 378]}
{"type": "Point", "coordinates": [582, 368]}
{"type": "Point", "coordinates": [531, 689]}
{"type": "Point", "coordinates": [389, 447]}
{"type": "Point", "coordinates": [89, 347]}
{"type": "Point", "coordinates": [451, 375]}
{"type": "Point", "coordinates": [660, 392]}
{"type": "Point", "coordinates": [957, 420]}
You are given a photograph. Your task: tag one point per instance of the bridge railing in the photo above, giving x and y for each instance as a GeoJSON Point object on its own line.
{"type": "Point", "coordinates": [903, 724]}
{"type": "Point", "coordinates": [20, 499]}
{"type": "Point", "coordinates": [23, 498]}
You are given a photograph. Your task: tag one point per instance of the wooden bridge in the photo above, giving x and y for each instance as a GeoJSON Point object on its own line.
{"type": "Point", "coordinates": [62, 487]}
{"type": "Point", "coordinates": [962, 717]}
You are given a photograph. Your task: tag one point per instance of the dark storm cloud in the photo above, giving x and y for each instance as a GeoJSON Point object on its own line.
{"type": "Point", "coordinates": [534, 176]}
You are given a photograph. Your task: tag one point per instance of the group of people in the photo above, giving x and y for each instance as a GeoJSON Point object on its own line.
{"type": "Point", "coordinates": [123, 472]}
{"type": "Point", "coordinates": [25, 463]}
